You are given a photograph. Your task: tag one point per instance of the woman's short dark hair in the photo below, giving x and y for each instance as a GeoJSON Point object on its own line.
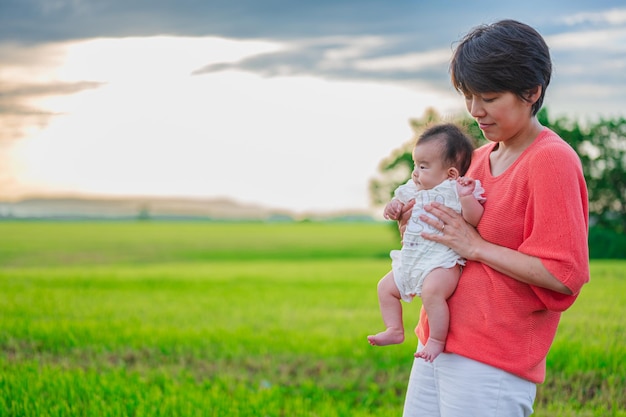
{"type": "Point", "coordinates": [504, 56]}
{"type": "Point", "coordinates": [456, 147]}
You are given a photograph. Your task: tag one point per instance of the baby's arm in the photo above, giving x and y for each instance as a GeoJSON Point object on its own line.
{"type": "Point", "coordinates": [393, 209]}
{"type": "Point", "coordinates": [471, 208]}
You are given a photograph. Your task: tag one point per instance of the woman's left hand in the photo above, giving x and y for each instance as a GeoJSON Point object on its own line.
{"type": "Point", "coordinates": [456, 233]}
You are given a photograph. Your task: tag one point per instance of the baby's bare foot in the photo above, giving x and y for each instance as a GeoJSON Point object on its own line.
{"type": "Point", "coordinates": [390, 336]}
{"type": "Point", "coordinates": [432, 349]}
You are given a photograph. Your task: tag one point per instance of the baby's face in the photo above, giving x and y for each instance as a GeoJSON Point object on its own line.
{"type": "Point", "coordinates": [429, 170]}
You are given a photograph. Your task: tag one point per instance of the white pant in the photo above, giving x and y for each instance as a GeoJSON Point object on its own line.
{"type": "Point", "coordinates": [455, 386]}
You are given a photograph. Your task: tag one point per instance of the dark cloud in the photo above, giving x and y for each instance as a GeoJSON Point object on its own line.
{"type": "Point", "coordinates": [62, 20]}
{"type": "Point", "coordinates": [16, 113]}
{"type": "Point", "coordinates": [314, 30]}
{"type": "Point", "coordinates": [54, 89]}
{"type": "Point", "coordinates": [316, 27]}
{"type": "Point", "coordinates": [38, 20]}
{"type": "Point", "coordinates": [333, 58]}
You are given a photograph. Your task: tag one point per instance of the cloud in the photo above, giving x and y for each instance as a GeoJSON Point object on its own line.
{"type": "Point", "coordinates": [406, 62]}
{"type": "Point", "coordinates": [611, 39]}
{"type": "Point", "coordinates": [179, 96]}
{"type": "Point", "coordinates": [592, 63]}
{"type": "Point", "coordinates": [612, 17]}
{"type": "Point", "coordinates": [278, 19]}
{"type": "Point", "coordinates": [36, 90]}
{"type": "Point", "coordinates": [34, 74]}
{"type": "Point", "coordinates": [367, 58]}
{"type": "Point", "coordinates": [16, 112]}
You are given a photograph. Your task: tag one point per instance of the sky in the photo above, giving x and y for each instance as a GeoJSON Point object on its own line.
{"type": "Point", "coordinates": [288, 105]}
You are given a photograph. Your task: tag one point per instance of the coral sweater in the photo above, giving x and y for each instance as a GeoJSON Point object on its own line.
{"type": "Point", "coordinates": [539, 207]}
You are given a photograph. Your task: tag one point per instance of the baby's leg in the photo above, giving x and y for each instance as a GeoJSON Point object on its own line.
{"type": "Point", "coordinates": [391, 310]}
{"type": "Point", "coordinates": [438, 287]}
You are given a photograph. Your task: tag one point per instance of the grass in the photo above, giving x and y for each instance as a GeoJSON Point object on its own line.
{"type": "Point", "coordinates": [202, 319]}
{"type": "Point", "coordinates": [28, 244]}
{"type": "Point", "coordinates": [587, 362]}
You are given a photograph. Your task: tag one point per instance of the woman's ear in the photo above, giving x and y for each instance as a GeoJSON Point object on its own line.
{"type": "Point", "coordinates": [453, 173]}
{"type": "Point", "coordinates": [533, 95]}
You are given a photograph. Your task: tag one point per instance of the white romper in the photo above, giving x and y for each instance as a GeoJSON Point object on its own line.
{"type": "Point", "coordinates": [418, 256]}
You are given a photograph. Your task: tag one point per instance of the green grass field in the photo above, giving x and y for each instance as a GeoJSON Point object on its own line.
{"type": "Point", "coordinates": [202, 319]}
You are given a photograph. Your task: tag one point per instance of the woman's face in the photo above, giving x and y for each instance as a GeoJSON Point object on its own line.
{"type": "Point", "coordinates": [429, 170]}
{"type": "Point", "coordinates": [501, 116]}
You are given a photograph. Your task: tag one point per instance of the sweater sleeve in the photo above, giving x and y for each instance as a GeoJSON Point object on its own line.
{"type": "Point", "coordinates": [557, 221]}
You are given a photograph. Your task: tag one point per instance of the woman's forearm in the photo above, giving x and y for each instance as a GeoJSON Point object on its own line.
{"type": "Point", "coordinates": [517, 265]}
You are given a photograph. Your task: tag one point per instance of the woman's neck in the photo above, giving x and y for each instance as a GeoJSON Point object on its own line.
{"type": "Point", "coordinates": [505, 153]}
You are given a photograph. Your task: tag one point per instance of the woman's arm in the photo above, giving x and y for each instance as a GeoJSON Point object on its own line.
{"type": "Point", "coordinates": [465, 240]}
{"type": "Point", "coordinates": [517, 265]}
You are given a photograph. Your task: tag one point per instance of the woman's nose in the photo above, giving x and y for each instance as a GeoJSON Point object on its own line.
{"type": "Point", "coordinates": [475, 107]}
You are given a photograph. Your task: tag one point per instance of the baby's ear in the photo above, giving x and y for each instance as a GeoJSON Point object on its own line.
{"type": "Point", "coordinates": [453, 173]}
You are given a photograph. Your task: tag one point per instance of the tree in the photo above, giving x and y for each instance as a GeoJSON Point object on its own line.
{"type": "Point", "coordinates": [396, 168]}
{"type": "Point", "coordinates": [601, 147]}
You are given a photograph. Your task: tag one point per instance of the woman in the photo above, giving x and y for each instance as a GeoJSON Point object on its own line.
{"type": "Point", "coordinates": [528, 257]}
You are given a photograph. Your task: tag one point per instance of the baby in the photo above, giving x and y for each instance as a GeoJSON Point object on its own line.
{"type": "Point", "coordinates": [431, 270]}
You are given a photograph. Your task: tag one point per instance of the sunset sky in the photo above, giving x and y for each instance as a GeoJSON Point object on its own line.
{"type": "Point", "coordinates": [290, 105]}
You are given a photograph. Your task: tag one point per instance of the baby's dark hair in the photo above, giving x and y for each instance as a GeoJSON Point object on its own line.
{"type": "Point", "coordinates": [504, 56]}
{"type": "Point", "coordinates": [456, 146]}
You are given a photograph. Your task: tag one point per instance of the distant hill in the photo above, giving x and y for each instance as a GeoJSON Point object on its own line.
{"type": "Point", "coordinates": [134, 207]}
{"type": "Point", "coordinates": [152, 208]}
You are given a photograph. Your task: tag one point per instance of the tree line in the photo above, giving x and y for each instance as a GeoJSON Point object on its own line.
{"type": "Point", "coordinates": [600, 145]}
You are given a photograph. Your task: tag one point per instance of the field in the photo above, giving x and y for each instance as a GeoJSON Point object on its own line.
{"type": "Point", "coordinates": [205, 319]}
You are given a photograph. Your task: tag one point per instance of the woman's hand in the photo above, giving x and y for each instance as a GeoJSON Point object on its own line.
{"type": "Point", "coordinates": [456, 233]}
{"type": "Point", "coordinates": [461, 237]}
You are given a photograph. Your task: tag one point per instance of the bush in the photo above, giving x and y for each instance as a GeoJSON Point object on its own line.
{"type": "Point", "coordinates": [606, 244]}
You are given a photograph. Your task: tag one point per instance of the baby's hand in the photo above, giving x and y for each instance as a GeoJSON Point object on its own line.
{"type": "Point", "coordinates": [393, 210]}
{"type": "Point", "coordinates": [465, 186]}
